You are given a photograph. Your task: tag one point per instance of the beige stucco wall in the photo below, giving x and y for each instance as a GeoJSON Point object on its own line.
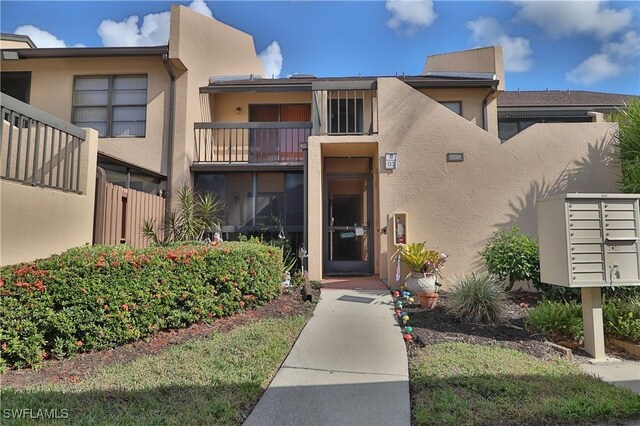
{"type": "Point", "coordinates": [471, 101]}
{"type": "Point", "coordinates": [455, 207]}
{"type": "Point", "coordinates": [223, 105]}
{"type": "Point", "coordinates": [52, 91]}
{"type": "Point", "coordinates": [13, 44]}
{"type": "Point", "coordinates": [484, 59]}
{"type": "Point", "coordinates": [202, 47]}
{"type": "Point", "coordinates": [38, 222]}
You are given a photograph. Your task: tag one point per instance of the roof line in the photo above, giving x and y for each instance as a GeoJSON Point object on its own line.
{"type": "Point", "coordinates": [297, 85]}
{"type": "Point", "coordinates": [79, 52]}
{"type": "Point", "coordinates": [18, 37]}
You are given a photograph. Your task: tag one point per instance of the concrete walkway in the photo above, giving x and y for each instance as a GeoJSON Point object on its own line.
{"type": "Point", "coordinates": [348, 367]}
{"type": "Point", "coordinates": [625, 373]}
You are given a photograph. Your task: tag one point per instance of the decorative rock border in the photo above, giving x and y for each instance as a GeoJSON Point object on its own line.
{"type": "Point", "coordinates": [403, 299]}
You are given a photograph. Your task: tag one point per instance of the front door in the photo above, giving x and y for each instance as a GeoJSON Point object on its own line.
{"type": "Point", "coordinates": [348, 242]}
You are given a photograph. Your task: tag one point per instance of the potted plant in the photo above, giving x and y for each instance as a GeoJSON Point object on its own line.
{"type": "Point", "coordinates": [424, 264]}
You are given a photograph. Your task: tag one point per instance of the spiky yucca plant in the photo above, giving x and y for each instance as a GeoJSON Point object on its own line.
{"type": "Point", "coordinates": [478, 298]}
{"type": "Point", "coordinates": [196, 214]}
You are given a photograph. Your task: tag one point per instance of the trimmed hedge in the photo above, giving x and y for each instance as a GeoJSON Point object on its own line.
{"type": "Point", "coordinates": [92, 298]}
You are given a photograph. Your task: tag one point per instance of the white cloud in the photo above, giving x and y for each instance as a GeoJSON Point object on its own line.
{"type": "Point", "coordinates": [408, 16]}
{"type": "Point", "coordinates": [154, 30]}
{"type": "Point", "coordinates": [627, 47]}
{"type": "Point", "coordinates": [564, 18]}
{"type": "Point", "coordinates": [201, 7]}
{"type": "Point", "coordinates": [614, 59]}
{"type": "Point", "coordinates": [42, 38]}
{"type": "Point", "coordinates": [593, 69]}
{"type": "Point", "coordinates": [516, 50]}
{"type": "Point", "coordinates": [271, 58]}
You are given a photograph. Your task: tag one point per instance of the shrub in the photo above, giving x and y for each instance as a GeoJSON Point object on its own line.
{"type": "Point", "coordinates": [622, 318]}
{"type": "Point", "coordinates": [91, 298]}
{"type": "Point", "coordinates": [478, 299]}
{"type": "Point", "coordinates": [512, 256]}
{"type": "Point", "coordinates": [627, 141]}
{"type": "Point", "coordinates": [559, 318]}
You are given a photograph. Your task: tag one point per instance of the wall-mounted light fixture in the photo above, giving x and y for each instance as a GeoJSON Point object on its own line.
{"type": "Point", "coordinates": [455, 157]}
{"type": "Point", "coordinates": [238, 110]}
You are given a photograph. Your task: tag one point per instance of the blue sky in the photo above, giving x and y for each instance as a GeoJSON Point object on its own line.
{"type": "Point", "coordinates": [579, 45]}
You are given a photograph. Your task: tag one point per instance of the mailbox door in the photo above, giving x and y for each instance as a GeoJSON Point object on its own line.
{"type": "Point", "coordinates": [585, 237]}
{"type": "Point", "coordinates": [621, 241]}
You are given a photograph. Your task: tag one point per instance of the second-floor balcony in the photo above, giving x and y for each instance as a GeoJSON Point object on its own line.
{"type": "Point", "coordinates": [252, 142]}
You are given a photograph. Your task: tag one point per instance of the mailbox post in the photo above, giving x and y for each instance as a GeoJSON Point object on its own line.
{"type": "Point", "coordinates": [590, 241]}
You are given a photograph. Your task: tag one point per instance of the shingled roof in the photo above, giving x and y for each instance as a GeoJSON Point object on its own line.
{"type": "Point", "coordinates": [562, 98]}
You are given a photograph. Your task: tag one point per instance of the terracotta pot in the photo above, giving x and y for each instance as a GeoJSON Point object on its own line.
{"type": "Point", "coordinates": [419, 282]}
{"type": "Point", "coordinates": [428, 300]}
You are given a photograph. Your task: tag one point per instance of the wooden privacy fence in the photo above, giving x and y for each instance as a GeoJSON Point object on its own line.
{"type": "Point", "coordinates": [121, 213]}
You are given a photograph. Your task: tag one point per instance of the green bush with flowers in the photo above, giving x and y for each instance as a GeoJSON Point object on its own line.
{"type": "Point", "coordinates": [92, 298]}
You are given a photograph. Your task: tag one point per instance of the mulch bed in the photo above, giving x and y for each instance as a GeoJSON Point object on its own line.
{"type": "Point", "coordinates": [439, 326]}
{"type": "Point", "coordinates": [75, 369]}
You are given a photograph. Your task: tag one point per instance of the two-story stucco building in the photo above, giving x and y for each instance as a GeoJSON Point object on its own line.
{"type": "Point", "coordinates": [327, 160]}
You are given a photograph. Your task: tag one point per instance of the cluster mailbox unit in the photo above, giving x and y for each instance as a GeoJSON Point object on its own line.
{"type": "Point", "coordinates": [590, 241]}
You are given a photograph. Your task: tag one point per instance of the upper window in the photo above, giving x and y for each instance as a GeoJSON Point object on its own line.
{"type": "Point", "coordinates": [16, 85]}
{"type": "Point", "coordinates": [116, 106]}
{"type": "Point", "coordinates": [345, 115]}
{"type": "Point", "coordinates": [455, 106]}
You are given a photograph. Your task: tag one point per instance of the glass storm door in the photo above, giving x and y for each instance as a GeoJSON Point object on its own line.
{"type": "Point", "coordinates": [348, 242]}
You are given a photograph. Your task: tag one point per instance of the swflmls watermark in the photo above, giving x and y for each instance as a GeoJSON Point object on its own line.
{"type": "Point", "coordinates": [32, 414]}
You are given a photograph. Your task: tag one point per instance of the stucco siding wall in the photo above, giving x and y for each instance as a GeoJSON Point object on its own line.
{"type": "Point", "coordinates": [14, 44]}
{"type": "Point", "coordinates": [38, 222]}
{"type": "Point", "coordinates": [52, 91]}
{"type": "Point", "coordinates": [223, 105]}
{"type": "Point", "coordinates": [455, 207]}
{"type": "Point", "coordinates": [205, 47]}
{"type": "Point", "coordinates": [471, 100]}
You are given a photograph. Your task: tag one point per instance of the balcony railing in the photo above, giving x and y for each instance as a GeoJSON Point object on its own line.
{"type": "Point", "coordinates": [37, 148]}
{"type": "Point", "coordinates": [273, 142]}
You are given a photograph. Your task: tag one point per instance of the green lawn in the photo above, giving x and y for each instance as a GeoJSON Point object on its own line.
{"type": "Point", "coordinates": [458, 383]}
{"type": "Point", "coordinates": [208, 381]}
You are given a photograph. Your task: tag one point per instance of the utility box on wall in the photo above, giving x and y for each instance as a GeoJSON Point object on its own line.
{"type": "Point", "coordinates": [399, 230]}
{"type": "Point", "coordinates": [589, 240]}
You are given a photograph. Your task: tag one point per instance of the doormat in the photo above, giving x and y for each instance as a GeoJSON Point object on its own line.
{"type": "Point", "coordinates": [356, 299]}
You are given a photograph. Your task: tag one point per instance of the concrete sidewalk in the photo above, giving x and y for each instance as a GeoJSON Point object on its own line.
{"type": "Point", "coordinates": [348, 367]}
{"type": "Point", "coordinates": [625, 373]}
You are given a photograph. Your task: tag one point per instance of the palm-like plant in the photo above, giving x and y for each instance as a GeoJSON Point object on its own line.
{"type": "Point", "coordinates": [627, 140]}
{"type": "Point", "coordinates": [196, 214]}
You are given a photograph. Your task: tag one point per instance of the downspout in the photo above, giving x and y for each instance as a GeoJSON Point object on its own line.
{"type": "Point", "coordinates": [172, 114]}
{"type": "Point", "coordinates": [484, 108]}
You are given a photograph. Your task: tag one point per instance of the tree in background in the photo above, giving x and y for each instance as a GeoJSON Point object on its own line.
{"type": "Point", "coordinates": [627, 140]}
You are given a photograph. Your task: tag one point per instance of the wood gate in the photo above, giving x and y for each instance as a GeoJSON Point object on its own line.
{"type": "Point", "coordinates": [120, 214]}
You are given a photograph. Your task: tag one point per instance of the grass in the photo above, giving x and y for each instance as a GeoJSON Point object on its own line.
{"type": "Point", "coordinates": [208, 381]}
{"type": "Point", "coordinates": [458, 384]}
